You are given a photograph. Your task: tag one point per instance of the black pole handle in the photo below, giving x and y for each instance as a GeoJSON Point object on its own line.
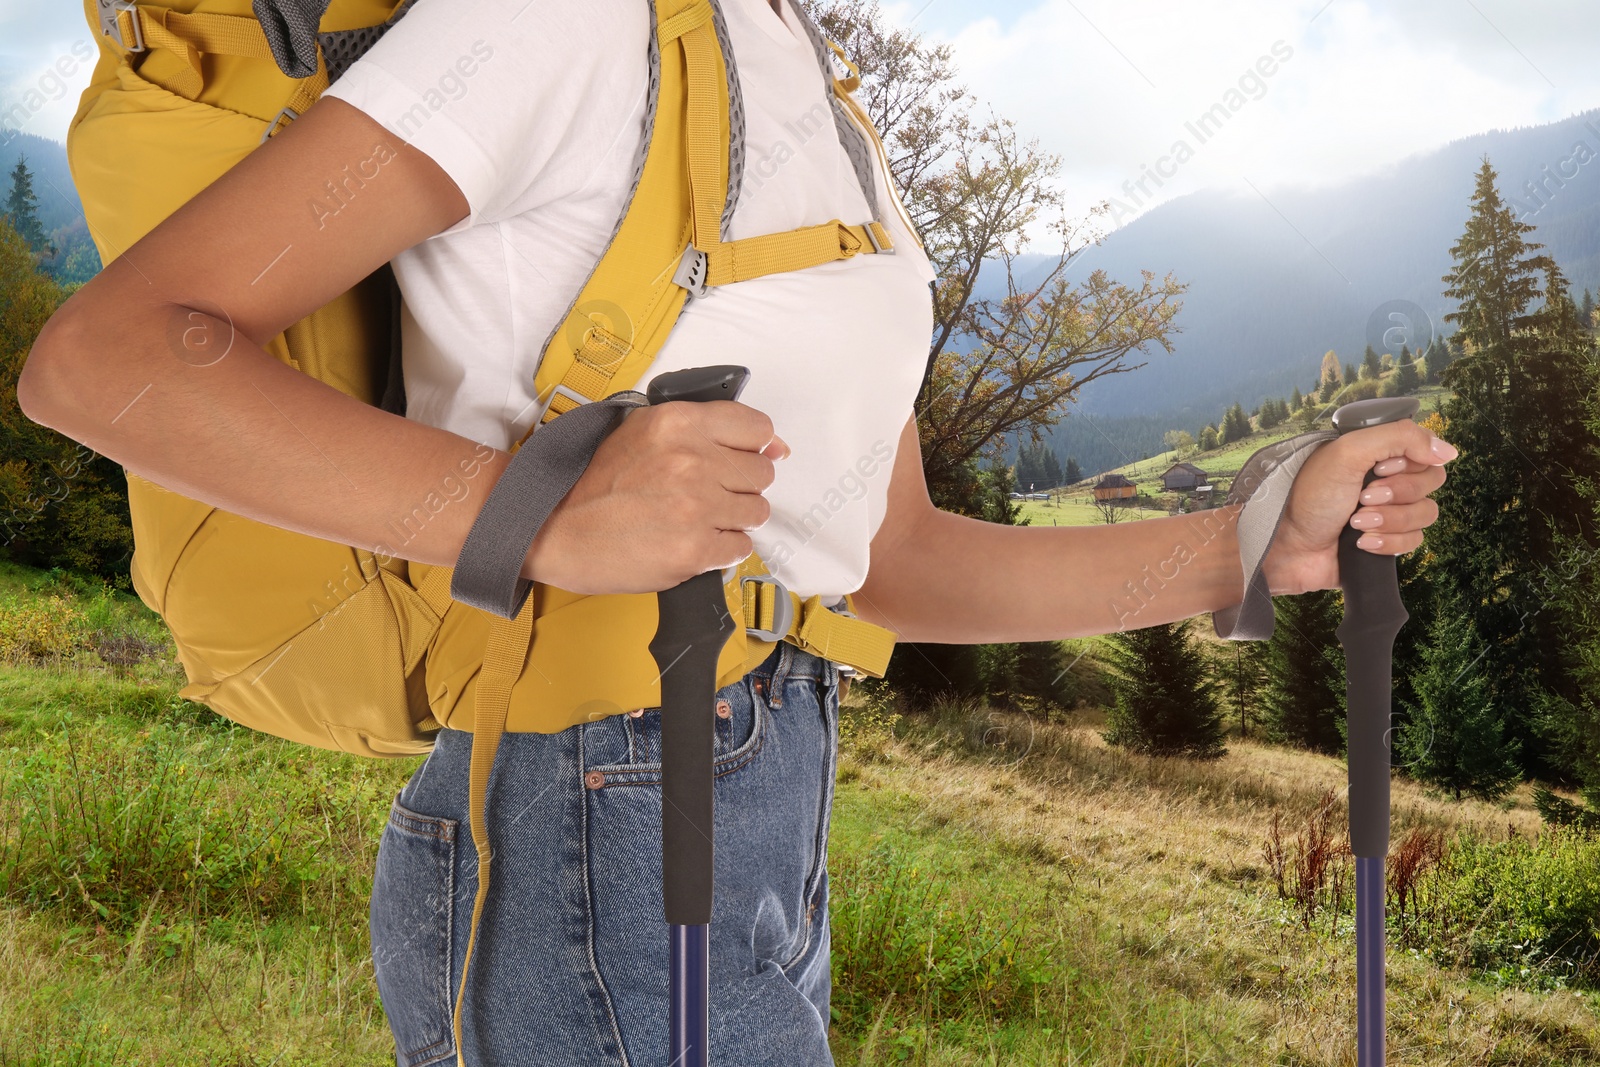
{"type": "Point", "coordinates": [694, 625]}
{"type": "Point", "coordinates": [1373, 615]}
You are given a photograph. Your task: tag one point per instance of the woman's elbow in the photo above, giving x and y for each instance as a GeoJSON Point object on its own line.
{"type": "Point", "coordinates": [46, 374]}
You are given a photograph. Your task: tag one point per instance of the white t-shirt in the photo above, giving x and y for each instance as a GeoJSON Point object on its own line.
{"type": "Point", "coordinates": [535, 108]}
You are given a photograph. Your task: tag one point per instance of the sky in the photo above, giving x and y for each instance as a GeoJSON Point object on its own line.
{"type": "Point", "coordinates": [1301, 92]}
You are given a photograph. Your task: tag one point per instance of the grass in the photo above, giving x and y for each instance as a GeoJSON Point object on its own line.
{"type": "Point", "coordinates": [1147, 887]}
{"type": "Point", "coordinates": [1005, 890]}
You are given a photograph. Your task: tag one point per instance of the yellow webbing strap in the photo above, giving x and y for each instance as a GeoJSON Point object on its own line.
{"type": "Point", "coordinates": [853, 82]}
{"type": "Point", "coordinates": [752, 257]}
{"type": "Point", "coordinates": [189, 34]}
{"type": "Point", "coordinates": [708, 149]}
{"type": "Point", "coordinates": [591, 371]}
{"type": "Point", "coordinates": [502, 664]}
{"type": "Point", "coordinates": [773, 253]}
{"type": "Point", "coordinates": [820, 631]}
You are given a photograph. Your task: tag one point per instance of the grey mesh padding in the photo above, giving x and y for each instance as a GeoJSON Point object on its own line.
{"type": "Point", "coordinates": [488, 572]}
{"type": "Point", "coordinates": [1262, 486]}
{"type": "Point", "coordinates": [291, 29]}
{"type": "Point", "coordinates": [340, 48]}
{"type": "Point", "coordinates": [850, 135]}
{"type": "Point", "coordinates": [735, 120]}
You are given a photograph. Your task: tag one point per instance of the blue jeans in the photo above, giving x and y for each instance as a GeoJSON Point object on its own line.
{"type": "Point", "coordinates": [570, 965]}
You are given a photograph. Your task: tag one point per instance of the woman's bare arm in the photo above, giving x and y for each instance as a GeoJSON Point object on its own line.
{"type": "Point", "coordinates": [949, 579]}
{"type": "Point", "coordinates": [126, 367]}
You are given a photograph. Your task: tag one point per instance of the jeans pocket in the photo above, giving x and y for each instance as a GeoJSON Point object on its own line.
{"type": "Point", "coordinates": [739, 727]}
{"type": "Point", "coordinates": [411, 919]}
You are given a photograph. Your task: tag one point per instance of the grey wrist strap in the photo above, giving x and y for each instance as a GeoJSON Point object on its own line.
{"type": "Point", "coordinates": [488, 572]}
{"type": "Point", "coordinates": [1262, 486]}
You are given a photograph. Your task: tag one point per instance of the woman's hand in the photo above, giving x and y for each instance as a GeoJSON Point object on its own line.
{"type": "Point", "coordinates": [1393, 512]}
{"type": "Point", "coordinates": [671, 493]}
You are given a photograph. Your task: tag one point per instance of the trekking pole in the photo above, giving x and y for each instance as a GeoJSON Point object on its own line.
{"type": "Point", "coordinates": [694, 625]}
{"type": "Point", "coordinates": [1373, 615]}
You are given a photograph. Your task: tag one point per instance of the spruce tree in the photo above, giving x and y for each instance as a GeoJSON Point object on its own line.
{"type": "Point", "coordinates": [1235, 424]}
{"type": "Point", "coordinates": [1513, 493]}
{"type": "Point", "coordinates": [1164, 701]}
{"type": "Point", "coordinates": [1303, 700]}
{"type": "Point", "coordinates": [1586, 310]}
{"type": "Point", "coordinates": [1351, 374]}
{"type": "Point", "coordinates": [1241, 666]}
{"type": "Point", "coordinates": [1073, 474]}
{"type": "Point", "coordinates": [1208, 438]}
{"type": "Point", "coordinates": [1370, 367]}
{"type": "Point", "coordinates": [22, 210]}
{"type": "Point", "coordinates": [1406, 379]}
{"type": "Point", "coordinates": [1440, 355]}
{"type": "Point", "coordinates": [1052, 470]}
{"type": "Point", "coordinates": [1296, 401]}
{"type": "Point", "coordinates": [1453, 736]}
{"type": "Point", "coordinates": [1573, 727]}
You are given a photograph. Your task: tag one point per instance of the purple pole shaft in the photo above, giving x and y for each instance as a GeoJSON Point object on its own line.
{"type": "Point", "coordinates": [1369, 961]}
{"type": "Point", "coordinates": [689, 1027]}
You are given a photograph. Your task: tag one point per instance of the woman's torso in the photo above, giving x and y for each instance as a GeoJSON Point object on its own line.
{"type": "Point", "coordinates": [836, 352]}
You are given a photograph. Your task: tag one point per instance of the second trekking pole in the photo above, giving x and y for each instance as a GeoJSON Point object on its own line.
{"type": "Point", "coordinates": [1373, 615]}
{"type": "Point", "coordinates": [694, 625]}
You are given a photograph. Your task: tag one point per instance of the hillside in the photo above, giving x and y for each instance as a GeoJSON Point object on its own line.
{"type": "Point", "coordinates": [1004, 889]}
{"type": "Point", "coordinates": [1073, 505]}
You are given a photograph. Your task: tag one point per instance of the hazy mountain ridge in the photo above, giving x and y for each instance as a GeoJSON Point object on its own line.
{"type": "Point", "coordinates": [1275, 282]}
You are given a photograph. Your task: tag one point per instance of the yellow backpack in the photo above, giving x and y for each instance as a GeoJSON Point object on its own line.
{"type": "Point", "coordinates": [344, 648]}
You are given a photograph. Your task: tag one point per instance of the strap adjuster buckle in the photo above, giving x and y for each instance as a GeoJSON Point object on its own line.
{"type": "Point", "coordinates": [272, 126]}
{"type": "Point", "coordinates": [877, 246]}
{"type": "Point", "coordinates": [693, 269]}
{"type": "Point", "coordinates": [109, 27]}
{"type": "Point", "coordinates": [782, 612]}
{"type": "Point", "coordinates": [560, 390]}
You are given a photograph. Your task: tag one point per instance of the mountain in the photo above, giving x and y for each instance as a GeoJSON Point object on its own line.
{"type": "Point", "coordinates": [1277, 280]}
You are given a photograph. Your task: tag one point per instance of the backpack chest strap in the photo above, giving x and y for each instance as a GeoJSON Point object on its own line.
{"type": "Point", "coordinates": [707, 137]}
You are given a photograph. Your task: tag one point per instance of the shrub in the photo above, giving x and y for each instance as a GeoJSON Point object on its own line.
{"type": "Point", "coordinates": [1523, 909]}
{"type": "Point", "coordinates": [1364, 389]}
{"type": "Point", "coordinates": [866, 730]}
{"type": "Point", "coordinates": [39, 628]}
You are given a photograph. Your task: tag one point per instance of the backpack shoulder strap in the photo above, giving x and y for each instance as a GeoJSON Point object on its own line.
{"type": "Point", "coordinates": [672, 229]}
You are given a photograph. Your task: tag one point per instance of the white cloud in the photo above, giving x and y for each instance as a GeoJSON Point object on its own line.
{"type": "Point", "coordinates": [48, 56]}
{"type": "Point", "coordinates": [1109, 86]}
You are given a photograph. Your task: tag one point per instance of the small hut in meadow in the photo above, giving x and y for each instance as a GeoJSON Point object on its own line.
{"type": "Point", "coordinates": [1184, 478]}
{"type": "Point", "coordinates": [1114, 487]}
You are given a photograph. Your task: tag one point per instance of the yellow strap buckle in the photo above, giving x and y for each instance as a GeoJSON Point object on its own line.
{"type": "Point", "coordinates": [773, 613]}
{"type": "Point", "coordinates": [768, 608]}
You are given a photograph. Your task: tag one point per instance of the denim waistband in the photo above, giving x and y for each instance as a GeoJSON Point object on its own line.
{"type": "Point", "coordinates": [790, 661]}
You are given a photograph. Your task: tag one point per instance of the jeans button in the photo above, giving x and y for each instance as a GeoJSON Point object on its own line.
{"type": "Point", "coordinates": [594, 779]}
{"type": "Point", "coordinates": [724, 709]}
{"type": "Point", "coordinates": [636, 713]}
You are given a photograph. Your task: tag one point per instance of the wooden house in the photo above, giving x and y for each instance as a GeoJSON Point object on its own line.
{"type": "Point", "coordinates": [1114, 487]}
{"type": "Point", "coordinates": [1184, 478]}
